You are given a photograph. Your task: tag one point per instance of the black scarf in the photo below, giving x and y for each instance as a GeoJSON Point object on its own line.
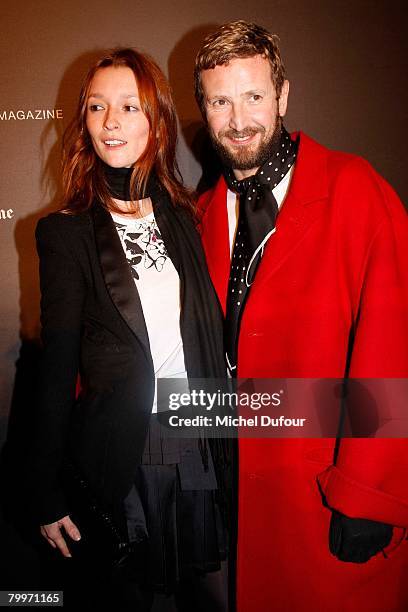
{"type": "Point", "coordinates": [201, 322]}
{"type": "Point", "coordinates": [118, 181]}
{"type": "Point", "coordinates": [258, 210]}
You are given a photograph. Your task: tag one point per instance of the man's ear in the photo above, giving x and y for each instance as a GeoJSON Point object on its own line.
{"type": "Point", "coordinates": [283, 98]}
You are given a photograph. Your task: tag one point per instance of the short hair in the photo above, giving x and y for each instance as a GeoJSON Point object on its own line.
{"type": "Point", "coordinates": [238, 39]}
{"type": "Point", "coordinates": [82, 171]}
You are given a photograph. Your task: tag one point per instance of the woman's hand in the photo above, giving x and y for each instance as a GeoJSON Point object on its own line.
{"type": "Point", "coordinates": [52, 533]}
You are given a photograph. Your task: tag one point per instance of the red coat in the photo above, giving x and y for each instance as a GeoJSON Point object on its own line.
{"type": "Point", "coordinates": [338, 260]}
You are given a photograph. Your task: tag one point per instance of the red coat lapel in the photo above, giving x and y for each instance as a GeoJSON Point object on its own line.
{"type": "Point", "coordinates": [304, 203]}
{"type": "Point", "coordinates": [214, 234]}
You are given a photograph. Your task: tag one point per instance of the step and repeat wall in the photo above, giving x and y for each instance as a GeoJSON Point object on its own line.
{"type": "Point", "coordinates": [347, 62]}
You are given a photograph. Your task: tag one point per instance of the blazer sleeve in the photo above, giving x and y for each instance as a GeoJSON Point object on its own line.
{"type": "Point", "coordinates": [369, 479]}
{"type": "Point", "coordinates": [62, 298]}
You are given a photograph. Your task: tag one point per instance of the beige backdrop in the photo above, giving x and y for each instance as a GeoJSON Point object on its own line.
{"type": "Point", "coordinates": [347, 63]}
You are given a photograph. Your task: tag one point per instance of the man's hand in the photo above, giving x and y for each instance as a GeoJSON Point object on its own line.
{"type": "Point", "coordinates": [357, 540]}
{"type": "Point", "coordinates": [52, 533]}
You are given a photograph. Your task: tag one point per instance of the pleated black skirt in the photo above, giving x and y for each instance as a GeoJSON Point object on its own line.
{"type": "Point", "coordinates": [172, 511]}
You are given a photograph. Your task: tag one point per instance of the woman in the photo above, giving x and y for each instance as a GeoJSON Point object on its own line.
{"type": "Point", "coordinates": [125, 299]}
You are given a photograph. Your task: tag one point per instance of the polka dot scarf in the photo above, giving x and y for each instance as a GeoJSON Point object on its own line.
{"type": "Point", "coordinates": [257, 215]}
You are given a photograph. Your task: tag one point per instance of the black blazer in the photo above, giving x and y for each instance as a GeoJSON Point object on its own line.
{"type": "Point", "coordinates": [92, 323]}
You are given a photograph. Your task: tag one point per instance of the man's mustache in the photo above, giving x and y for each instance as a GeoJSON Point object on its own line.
{"type": "Point", "coordinates": [248, 131]}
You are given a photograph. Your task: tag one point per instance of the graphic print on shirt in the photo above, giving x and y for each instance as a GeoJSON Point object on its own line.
{"type": "Point", "coordinates": [144, 246]}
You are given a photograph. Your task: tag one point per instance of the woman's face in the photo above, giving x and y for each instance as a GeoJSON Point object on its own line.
{"type": "Point", "coordinates": [118, 128]}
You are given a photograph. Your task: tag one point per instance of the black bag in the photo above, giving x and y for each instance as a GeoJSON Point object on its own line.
{"type": "Point", "coordinates": [100, 538]}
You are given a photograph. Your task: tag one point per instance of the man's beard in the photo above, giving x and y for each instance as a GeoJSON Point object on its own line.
{"type": "Point", "coordinates": [245, 158]}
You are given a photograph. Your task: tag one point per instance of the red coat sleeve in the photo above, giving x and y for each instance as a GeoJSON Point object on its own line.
{"type": "Point", "coordinates": [370, 477]}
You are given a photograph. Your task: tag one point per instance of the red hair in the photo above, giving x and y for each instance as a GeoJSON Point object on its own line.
{"type": "Point", "coordinates": [82, 170]}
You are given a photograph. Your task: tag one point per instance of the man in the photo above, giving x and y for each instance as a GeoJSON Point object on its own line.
{"type": "Point", "coordinates": [307, 249]}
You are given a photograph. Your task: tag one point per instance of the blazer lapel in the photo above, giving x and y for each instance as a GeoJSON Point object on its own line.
{"type": "Point", "coordinates": [118, 277]}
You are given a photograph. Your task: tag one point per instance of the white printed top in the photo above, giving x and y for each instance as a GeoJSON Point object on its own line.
{"type": "Point", "coordinates": [158, 284]}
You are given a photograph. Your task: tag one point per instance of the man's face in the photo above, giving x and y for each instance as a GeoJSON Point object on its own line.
{"type": "Point", "coordinates": [243, 112]}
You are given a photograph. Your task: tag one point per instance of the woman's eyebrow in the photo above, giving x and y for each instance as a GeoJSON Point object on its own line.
{"type": "Point", "coordinates": [125, 96]}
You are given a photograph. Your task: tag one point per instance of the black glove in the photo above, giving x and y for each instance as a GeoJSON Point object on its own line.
{"type": "Point", "coordinates": [357, 540]}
